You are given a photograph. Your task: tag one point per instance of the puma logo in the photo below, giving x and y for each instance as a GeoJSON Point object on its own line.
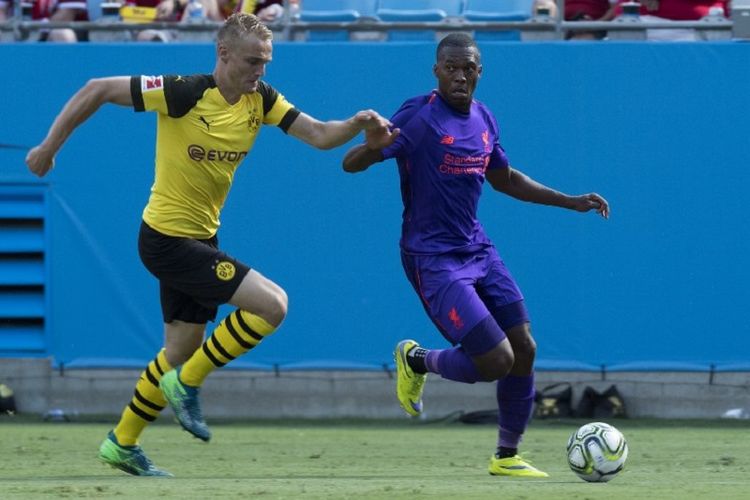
{"type": "Point", "coordinates": [208, 125]}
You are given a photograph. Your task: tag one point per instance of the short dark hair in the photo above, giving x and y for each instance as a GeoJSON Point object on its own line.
{"type": "Point", "coordinates": [459, 40]}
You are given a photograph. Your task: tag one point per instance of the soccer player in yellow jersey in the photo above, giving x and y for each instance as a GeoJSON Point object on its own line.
{"type": "Point", "coordinates": [206, 125]}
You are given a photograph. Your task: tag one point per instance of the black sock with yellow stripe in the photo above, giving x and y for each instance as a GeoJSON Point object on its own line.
{"type": "Point", "coordinates": [236, 334]}
{"type": "Point", "coordinates": [146, 404]}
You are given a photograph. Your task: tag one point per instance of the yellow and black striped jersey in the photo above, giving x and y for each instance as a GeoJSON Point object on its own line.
{"type": "Point", "coordinates": [200, 141]}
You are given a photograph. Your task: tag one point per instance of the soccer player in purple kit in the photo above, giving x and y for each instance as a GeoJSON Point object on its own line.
{"type": "Point", "coordinates": [446, 144]}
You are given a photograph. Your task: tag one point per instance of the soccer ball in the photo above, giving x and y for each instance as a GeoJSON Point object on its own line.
{"type": "Point", "coordinates": [597, 452]}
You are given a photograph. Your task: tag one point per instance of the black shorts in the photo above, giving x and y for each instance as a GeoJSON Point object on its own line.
{"type": "Point", "coordinates": [195, 277]}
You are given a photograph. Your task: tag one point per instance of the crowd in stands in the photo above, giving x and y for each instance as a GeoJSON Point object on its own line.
{"type": "Point", "coordinates": [272, 11]}
{"type": "Point", "coordinates": [136, 11]}
{"type": "Point", "coordinates": [650, 10]}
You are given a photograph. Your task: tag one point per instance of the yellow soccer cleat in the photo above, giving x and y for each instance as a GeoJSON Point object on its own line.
{"type": "Point", "coordinates": [514, 466]}
{"type": "Point", "coordinates": [409, 385]}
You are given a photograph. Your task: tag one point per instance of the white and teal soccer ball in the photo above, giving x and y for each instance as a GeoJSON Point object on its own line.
{"type": "Point", "coordinates": [597, 452]}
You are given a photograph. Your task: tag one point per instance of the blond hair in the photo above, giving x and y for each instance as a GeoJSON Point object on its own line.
{"type": "Point", "coordinates": [240, 25]}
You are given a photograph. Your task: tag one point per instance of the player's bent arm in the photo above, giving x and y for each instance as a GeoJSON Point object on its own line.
{"type": "Point", "coordinates": [85, 103]}
{"type": "Point", "coordinates": [360, 158]}
{"type": "Point", "coordinates": [77, 110]}
{"type": "Point", "coordinates": [333, 133]}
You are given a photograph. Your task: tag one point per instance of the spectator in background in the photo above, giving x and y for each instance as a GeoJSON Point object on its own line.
{"type": "Point", "coordinates": [42, 10]}
{"type": "Point", "coordinates": [588, 10]}
{"type": "Point", "coordinates": [268, 11]}
{"type": "Point", "coordinates": [154, 10]}
{"type": "Point", "coordinates": [68, 11]}
{"type": "Point", "coordinates": [675, 10]}
{"type": "Point", "coordinates": [581, 10]}
{"type": "Point", "coordinates": [591, 10]}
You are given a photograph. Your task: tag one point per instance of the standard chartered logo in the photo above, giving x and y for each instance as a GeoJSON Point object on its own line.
{"type": "Point", "coordinates": [199, 153]}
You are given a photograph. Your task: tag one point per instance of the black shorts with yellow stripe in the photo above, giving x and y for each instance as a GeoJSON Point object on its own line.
{"type": "Point", "coordinates": [195, 277]}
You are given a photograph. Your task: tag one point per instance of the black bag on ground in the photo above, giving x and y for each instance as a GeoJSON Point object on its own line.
{"type": "Point", "coordinates": [554, 401]}
{"type": "Point", "coordinates": [587, 403]}
{"type": "Point", "coordinates": [7, 401]}
{"type": "Point", "coordinates": [608, 404]}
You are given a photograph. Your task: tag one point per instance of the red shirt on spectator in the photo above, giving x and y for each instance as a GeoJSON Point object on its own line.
{"type": "Point", "coordinates": [79, 6]}
{"type": "Point", "coordinates": [679, 10]}
{"type": "Point", "coordinates": [41, 9]}
{"type": "Point", "coordinates": [592, 10]}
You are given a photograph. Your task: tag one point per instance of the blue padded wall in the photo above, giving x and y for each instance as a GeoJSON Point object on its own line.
{"type": "Point", "coordinates": [659, 129]}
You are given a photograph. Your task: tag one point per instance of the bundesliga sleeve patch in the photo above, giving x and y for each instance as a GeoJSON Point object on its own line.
{"type": "Point", "coordinates": [149, 83]}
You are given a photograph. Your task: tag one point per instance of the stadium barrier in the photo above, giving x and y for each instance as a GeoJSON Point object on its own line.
{"type": "Point", "coordinates": [290, 27]}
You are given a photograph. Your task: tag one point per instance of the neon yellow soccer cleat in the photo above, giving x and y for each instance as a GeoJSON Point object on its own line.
{"type": "Point", "coordinates": [514, 466]}
{"type": "Point", "coordinates": [409, 385]}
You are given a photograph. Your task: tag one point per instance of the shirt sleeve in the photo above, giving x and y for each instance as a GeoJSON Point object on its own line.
{"type": "Point", "coordinates": [173, 95]}
{"type": "Point", "coordinates": [148, 93]}
{"type": "Point", "coordinates": [276, 109]}
{"type": "Point", "coordinates": [413, 128]}
{"type": "Point", "coordinates": [498, 157]}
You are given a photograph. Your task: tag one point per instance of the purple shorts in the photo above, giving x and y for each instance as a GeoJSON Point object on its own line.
{"type": "Point", "coordinates": [460, 290]}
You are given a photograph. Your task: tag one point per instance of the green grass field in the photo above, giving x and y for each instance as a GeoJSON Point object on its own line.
{"type": "Point", "coordinates": [351, 459]}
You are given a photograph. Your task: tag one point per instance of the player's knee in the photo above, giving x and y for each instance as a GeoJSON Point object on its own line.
{"type": "Point", "coordinates": [524, 346]}
{"type": "Point", "coordinates": [525, 349]}
{"type": "Point", "coordinates": [279, 304]}
{"type": "Point", "coordinates": [498, 364]}
{"type": "Point", "coordinates": [272, 308]}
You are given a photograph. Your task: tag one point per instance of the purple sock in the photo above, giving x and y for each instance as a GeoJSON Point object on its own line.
{"type": "Point", "coordinates": [452, 364]}
{"type": "Point", "coordinates": [515, 399]}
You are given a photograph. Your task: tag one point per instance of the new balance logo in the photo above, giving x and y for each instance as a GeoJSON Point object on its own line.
{"type": "Point", "coordinates": [447, 139]}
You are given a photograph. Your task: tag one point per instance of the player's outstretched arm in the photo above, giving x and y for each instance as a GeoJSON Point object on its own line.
{"type": "Point", "coordinates": [78, 109]}
{"type": "Point", "coordinates": [333, 133]}
{"type": "Point", "coordinates": [520, 186]}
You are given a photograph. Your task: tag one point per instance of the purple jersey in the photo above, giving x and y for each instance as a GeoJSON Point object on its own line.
{"type": "Point", "coordinates": [442, 155]}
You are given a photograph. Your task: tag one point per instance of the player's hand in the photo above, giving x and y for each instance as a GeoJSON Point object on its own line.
{"type": "Point", "coordinates": [369, 119]}
{"type": "Point", "coordinates": [381, 137]}
{"type": "Point", "coordinates": [40, 161]}
{"type": "Point", "coordinates": [591, 201]}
